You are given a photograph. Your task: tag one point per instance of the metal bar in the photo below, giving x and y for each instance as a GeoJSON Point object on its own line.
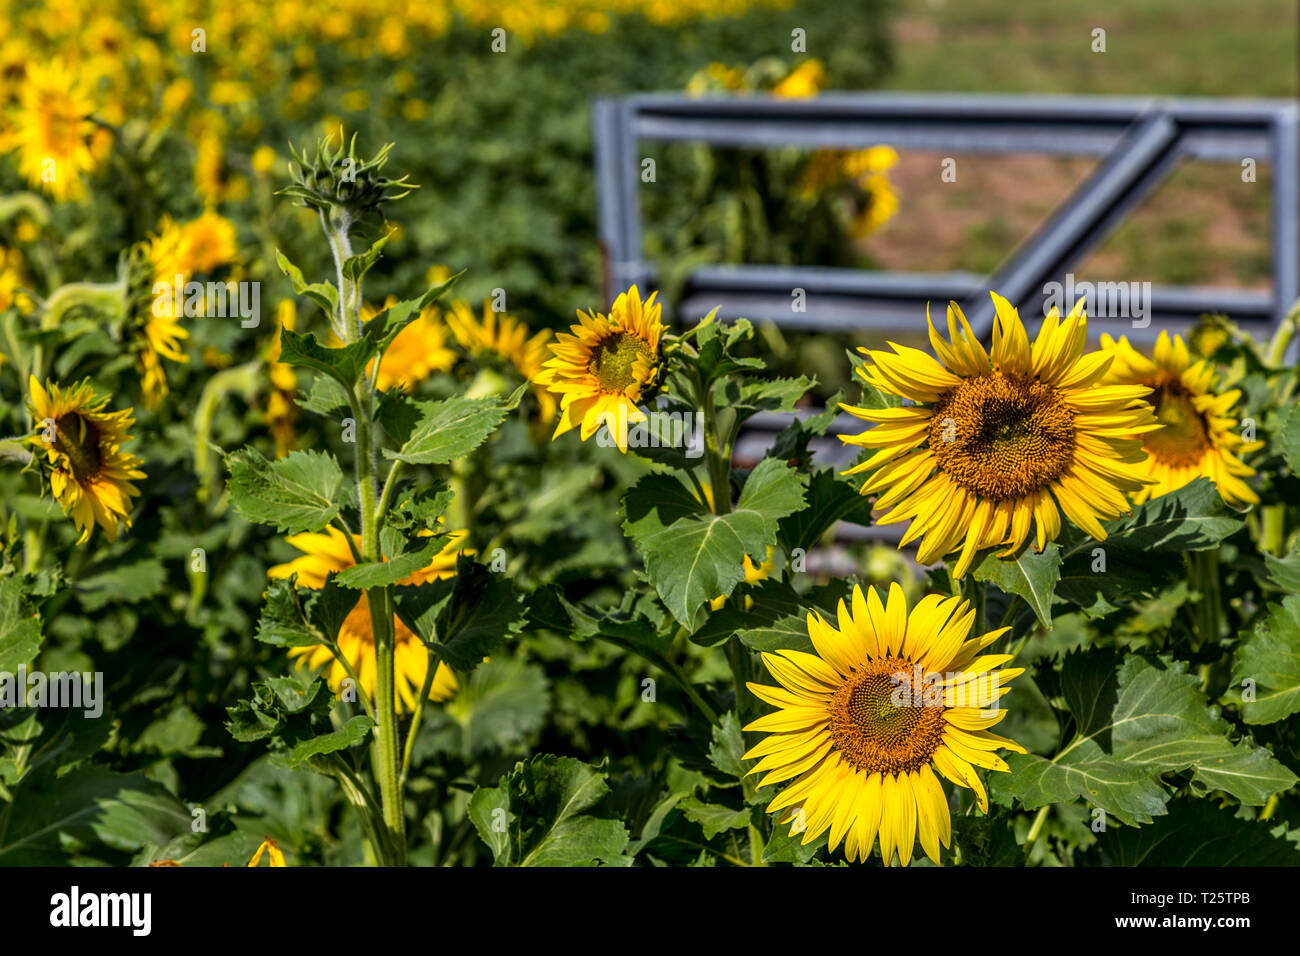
{"type": "Point", "coordinates": [1127, 175]}
{"type": "Point", "coordinates": [1286, 210]}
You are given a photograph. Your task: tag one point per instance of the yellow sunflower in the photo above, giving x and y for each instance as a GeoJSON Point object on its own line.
{"type": "Point", "coordinates": [91, 475]}
{"type": "Point", "coordinates": [208, 242]}
{"type": "Point", "coordinates": [420, 350]}
{"type": "Point", "coordinates": [888, 699]}
{"type": "Point", "coordinates": [281, 406]}
{"type": "Point", "coordinates": [993, 443]}
{"type": "Point", "coordinates": [803, 82]}
{"type": "Point", "coordinates": [505, 337]}
{"type": "Point", "coordinates": [161, 332]}
{"type": "Point", "coordinates": [328, 551]}
{"type": "Point", "coordinates": [1199, 434]}
{"type": "Point", "coordinates": [602, 370]}
{"type": "Point", "coordinates": [53, 131]}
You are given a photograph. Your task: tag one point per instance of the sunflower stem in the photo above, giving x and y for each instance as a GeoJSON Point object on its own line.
{"type": "Point", "coordinates": [1036, 828]}
{"type": "Point", "coordinates": [417, 715]}
{"type": "Point", "coordinates": [1205, 574]}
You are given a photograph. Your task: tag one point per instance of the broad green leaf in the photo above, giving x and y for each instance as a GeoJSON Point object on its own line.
{"type": "Point", "coordinates": [1193, 518]}
{"type": "Point", "coordinates": [452, 428]}
{"type": "Point", "coordinates": [1030, 574]}
{"type": "Point", "coordinates": [693, 556]}
{"type": "Point", "coordinates": [1289, 442]}
{"type": "Point", "coordinates": [1136, 723]}
{"type": "Point", "coordinates": [20, 626]}
{"type": "Point", "coordinates": [345, 364]}
{"type": "Point", "coordinates": [1198, 833]}
{"type": "Point", "coordinates": [554, 813]}
{"type": "Point", "coordinates": [1285, 572]}
{"type": "Point", "coordinates": [501, 705]}
{"type": "Point", "coordinates": [751, 607]}
{"type": "Point", "coordinates": [1269, 658]}
{"type": "Point", "coordinates": [89, 812]}
{"type": "Point", "coordinates": [302, 617]}
{"type": "Point", "coordinates": [125, 584]}
{"type": "Point", "coordinates": [829, 500]}
{"type": "Point", "coordinates": [463, 618]}
{"type": "Point", "coordinates": [295, 494]}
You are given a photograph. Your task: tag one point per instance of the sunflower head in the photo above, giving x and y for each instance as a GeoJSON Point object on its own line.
{"type": "Point", "coordinates": [606, 366]}
{"type": "Point", "coordinates": [890, 702]}
{"type": "Point", "coordinates": [992, 443]}
{"type": "Point", "coordinates": [1199, 436]}
{"type": "Point", "coordinates": [89, 473]}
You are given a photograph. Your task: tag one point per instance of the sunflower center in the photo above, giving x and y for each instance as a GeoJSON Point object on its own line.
{"type": "Point", "coordinates": [1185, 437]}
{"type": "Point", "coordinates": [1002, 437]}
{"type": "Point", "coordinates": [884, 721]}
{"type": "Point", "coordinates": [614, 361]}
{"type": "Point", "coordinates": [78, 439]}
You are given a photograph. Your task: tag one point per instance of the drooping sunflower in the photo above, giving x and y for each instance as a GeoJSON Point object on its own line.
{"type": "Point", "coordinates": [506, 338]}
{"type": "Point", "coordinates": [53, 131]}
{"type": "Point", "coordinates": [1199, 433]}
{"type": "Point", "coordinates": [91, 475]}
{"type": "Point", "coordinates": [603, 369]}
{"type": "Point", "coordinates": [889, 699]}
{"type": "Point", "coordinates": [993, 443]}
{"type": "Point", "coordinates": [327, 552]}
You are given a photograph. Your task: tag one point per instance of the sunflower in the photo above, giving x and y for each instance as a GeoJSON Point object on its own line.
{"type": "Point", "coordinates": [91, 475]}
{"type": "Point", "coordinates": [803, 82]}
{"type": "Point", "coordinates": [161, 333]}
{"type": "Point", "coordinates": [1199, 436]}
{"type": "Point", "coordinates": [281, 407]}
{"type": "Point", "coordinates": [53, 131]}
{"type": "Point", "coordinates": [602, 371]}
{"type": "Point", "coordinates": [506, 338]}
{"type": "Point", "coordinates": [208, 242]}
{"type": "Point", "coordinates": [888, 699]}
{"type": "Point", "coordinates": [327, 552]}
{"type": "Point", "coordinates": [418, 351]}
{"type": "Point", "coordinates": [993, 443]}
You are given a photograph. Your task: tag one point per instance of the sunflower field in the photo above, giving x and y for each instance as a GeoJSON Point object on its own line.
{"type": "Point", "coordinates": [347, 521]}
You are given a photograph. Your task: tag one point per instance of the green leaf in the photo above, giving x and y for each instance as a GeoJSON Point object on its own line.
{"type": "Point", "coordinates": [464, 618]}
{"type": "Point", "coordinates": [554, 813]}
{"type": "Point", "coordinates": [323, 294]}
{"type": "Point", "coordinates": [356, 267]}
{"type": "Point", "coordinates": [378, 574]}
{"type": "Point", "coordinates": [785, 633]}
{"type": "Point", "coordinates": [714, 819]}
{"type": "Point", "coordinates": [1031, 575]}
{"type": "Point", "coordinates": [727, 748]}
{"type": "Point", "coordinates": [1193, 518]}
{"type": "Point", "coordinates": [303, 617]}
{"type": "Point", "coordinates": [295, 494]}
{"type": "Point", "coordinates": [89, 812]}
{"type": "Point", "coordinates": [20, 626]}
{"type": "Point", "coordinates": [829, 500]}
{"type": "Point", "coordinates": [452, 428]}
{"type": "Point", "coordinates": [1270, 658]}
{"type": "Point", "coordinates": [345, 364]}
{"type": "Point", "coordinates": [500, 706]}
{"type": "Point", "coordinates": [1135, 723]}
{"type": "Point", "coordinates": [349, 735]}
{"type": "Point", "coordinates": [1285, 572]}
{"type": "Point", "coordinates": [1289, 442]}
{"type": "Point", "coordinates": [126, 584]}
{"type": "Point", "coordinates": [387, 325]}
{"type": "Point", "coordinates": [1197, 833]}
{"type": "Point", "coordinates": [693, 556]}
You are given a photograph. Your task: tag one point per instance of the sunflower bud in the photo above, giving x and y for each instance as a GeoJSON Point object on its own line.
{"type": "Point", "coordinates": [341, 185]}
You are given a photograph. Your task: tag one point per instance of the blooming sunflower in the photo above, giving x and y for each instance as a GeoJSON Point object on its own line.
{"type": "Point", "coordinates": [208, 242]}
{"type": "Point", "coordinates": [1199, 435]}
{"type": "Point", "coordinates": [505, 337]}
{"type": "Point", "coordinates": [418, 351]}
{"type": "Point", "coordinates": [328, 552]}
{"type": "Point", "coordinates": [994, 442]}
{"type": "Point", "coordinates": [604, 368]}
{"type": "Point", "coordinates": [888, 699]}
{"type": "Point", "coordinates": [91, 475]}
{"type": "Point", "coordinates": [53, 124]}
